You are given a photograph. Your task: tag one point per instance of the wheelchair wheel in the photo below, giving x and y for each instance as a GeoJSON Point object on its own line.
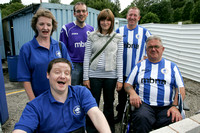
{"type": "Point", "coordinates": [125, 124]}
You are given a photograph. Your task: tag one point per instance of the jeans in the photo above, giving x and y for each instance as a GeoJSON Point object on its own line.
{"type": "Point", "coordinates": [108, 86]}
{"type": "Point", "coordinates": [77, 74]}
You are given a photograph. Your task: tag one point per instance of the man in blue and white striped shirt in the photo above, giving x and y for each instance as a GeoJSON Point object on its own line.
{"type": "Point", "coordinates": [134, 38]}
{"type": "Point", "coordinates": [154, 78]}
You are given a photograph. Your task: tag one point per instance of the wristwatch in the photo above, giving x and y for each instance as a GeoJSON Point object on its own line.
{"type": "Point", "coordinates": [175, 106]}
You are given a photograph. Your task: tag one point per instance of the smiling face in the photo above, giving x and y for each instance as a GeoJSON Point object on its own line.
{"type": "Point", "coordinates": [133, 16]}
{"type": "Point", "coordinates": [44, 27]}
{"type": "Point", "coordinates": [105, 25]}
{"type": "Point", "coordinates": [59, 77]}
{"type": "Point", "coordinates": [80, 13]}
{"type": "Point", "coordinates": [154, 50]}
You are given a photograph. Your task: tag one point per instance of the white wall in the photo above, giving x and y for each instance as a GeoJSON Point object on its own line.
{"type": "Point", "coordinates": [182, 46]}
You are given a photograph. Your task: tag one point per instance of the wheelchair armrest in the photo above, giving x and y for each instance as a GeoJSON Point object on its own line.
{"type": "Point", "coordinates": [185, 106]}
{"type": "Point", "coordinates": [198, 112]}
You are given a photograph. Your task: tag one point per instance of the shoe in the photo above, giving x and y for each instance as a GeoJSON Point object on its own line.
{"type": "Point", "coordinates": [117, 119]}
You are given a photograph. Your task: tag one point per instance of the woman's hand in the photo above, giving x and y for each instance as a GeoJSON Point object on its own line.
{"type": "Point", "coordinates": [87, 83]}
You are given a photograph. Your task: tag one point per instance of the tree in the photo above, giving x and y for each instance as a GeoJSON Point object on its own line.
{"type": "Point", "coordinates": [150, 18]}
{"type": "Point", "coordinates": [15, 1]}
{"type": "Point", "coordinates": [194, 17]}
{"type": "Point", "coordinates": [54, 1]}
{"type": "Point", "coordinates": [10, 8]}
{"type": "Point", "coordinates": [163, 10]}
{"type": "Point", "coordinates": [178, 14]}
{"type": "Point", "coordinates": [187, 10]}
{"type": "Point", "coordinates": [177, 3]}
{"type": "Point", "coordinates": [101, 4]}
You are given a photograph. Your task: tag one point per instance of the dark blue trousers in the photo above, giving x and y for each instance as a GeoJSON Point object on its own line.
{"type": "Point", "coordinates": [149, 117]}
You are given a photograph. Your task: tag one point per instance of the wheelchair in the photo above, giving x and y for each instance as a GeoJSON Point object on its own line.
{"type": "Point", "coordinates": [127, 124]}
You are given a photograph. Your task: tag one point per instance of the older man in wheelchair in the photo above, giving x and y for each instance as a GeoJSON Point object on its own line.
{"type": "Point", "coordinates": [155, 103]}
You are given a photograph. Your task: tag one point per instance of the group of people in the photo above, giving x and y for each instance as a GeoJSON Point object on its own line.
{"type": "Point", "coordinates": [64, 79]}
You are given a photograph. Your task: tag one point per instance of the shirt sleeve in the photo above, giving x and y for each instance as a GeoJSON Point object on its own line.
{"type": "Point", "coordinates": [86, 62]}
{"type": "Point", "coordinates": [63, 35]}
{"type": "Point", "coordinates": [178, 78]}
{"type": "Point", "coordinates": [120, 61]}
{"type": "Point", "coordinates": [132, 75]}
{"type": "Point", "coordinates": [29, 120]}
{"type": "Point", "coordinates": [87, 99]}
{"type": "Point", "coordinates": [23, 68]}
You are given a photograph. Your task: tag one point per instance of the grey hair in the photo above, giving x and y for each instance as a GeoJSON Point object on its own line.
{"type": "Point", "coordinates": [154, 37]}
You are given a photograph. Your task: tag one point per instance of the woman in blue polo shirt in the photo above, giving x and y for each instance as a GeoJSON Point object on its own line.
{"type": "Point", "coordinates": [36, 54]}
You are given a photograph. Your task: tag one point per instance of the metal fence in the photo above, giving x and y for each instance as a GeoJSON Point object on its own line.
{"type": "Point", "coordinates": [182, 46]}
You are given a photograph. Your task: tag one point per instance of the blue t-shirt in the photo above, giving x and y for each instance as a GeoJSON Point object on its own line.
{"type": "Point", "coordinates": [46, 115]}
{"type": "Point", "coordinates": [155, 81]}
{"type": "Point", "coordinates": [134, 46]}
{"type": "Point", "coordinates": [75, 37]}
{"type": "Point", "coordinates": [33, 63]}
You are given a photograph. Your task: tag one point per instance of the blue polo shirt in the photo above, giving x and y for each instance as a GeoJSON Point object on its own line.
{"type": "Point", "coordinates": [33, 62]}
{"type": "Point", "coordinates": [46, 115]}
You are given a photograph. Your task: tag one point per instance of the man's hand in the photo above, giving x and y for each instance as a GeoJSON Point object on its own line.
{"type": "Point", "coordinates": [87, 83]}
{"type": "Point", "coordinates": [119, 86]}
{"type": "Point", "coordinates": [135, 100]}
{"type": "Point", "coordinates": [176, 115]}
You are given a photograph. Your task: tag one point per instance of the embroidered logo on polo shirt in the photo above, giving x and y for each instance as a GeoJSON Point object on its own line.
{"type": "Point", "coordinates": [77, 110]}
{"type": "Point", "coordinates": [58, 54]}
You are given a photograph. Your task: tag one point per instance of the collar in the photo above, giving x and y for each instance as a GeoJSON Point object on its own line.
{"type": "Point", "coordinates": [131, 29]}
{"type": "Point", "coordinates": [78, 25]}
{"type": "Point", "coordinates": [35, 43]}
{"type": "Point", "coordinates": [52, 99]}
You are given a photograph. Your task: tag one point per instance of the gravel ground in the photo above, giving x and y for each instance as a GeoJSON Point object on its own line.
{"type": "Point", "coordinates": [17, 102]}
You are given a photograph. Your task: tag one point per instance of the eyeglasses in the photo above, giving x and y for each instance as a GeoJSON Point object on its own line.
{"type": "Point", "coordinates": [151, 47]}
{"type": "Point", "coordinates": [79, 11]}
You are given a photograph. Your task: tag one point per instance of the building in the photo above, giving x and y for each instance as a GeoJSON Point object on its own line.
{"type": "Point", "coordinates": [17, 26]}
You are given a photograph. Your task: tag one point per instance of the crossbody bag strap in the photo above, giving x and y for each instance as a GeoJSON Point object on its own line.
{"type": "Point", "coordinates": [60, 46]}
{"type": "Point", "coordinates": [102, 48]}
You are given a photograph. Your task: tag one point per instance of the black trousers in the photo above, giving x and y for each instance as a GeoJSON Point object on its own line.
{"type": "Point", "coordinates": [108, 85]}
{"type": "Point", "coordinates": [122, 97]}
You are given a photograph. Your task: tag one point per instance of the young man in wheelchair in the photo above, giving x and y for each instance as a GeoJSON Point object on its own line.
{"type": "Point", "coordinates": [152, 97]}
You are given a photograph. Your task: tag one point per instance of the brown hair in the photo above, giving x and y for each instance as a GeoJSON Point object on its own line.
{"type": "Point", "coordinates": [79, 3]}
{"type": "Point", "coordinates": [104, 14]}
{"type": "Point", "coordinates": [45, 13]}
{"type": "Point", "coordinates": [58, 60]}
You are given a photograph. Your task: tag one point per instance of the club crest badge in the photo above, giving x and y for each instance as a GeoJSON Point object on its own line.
{"type": "Point", "coordinates": [77, 110]}
{"type": "Point", "coordinates": [164, 71]}
{"type": "Point", "coordinates": [137, 36]}
{"type": "Point", "coordinates": [58, 54]}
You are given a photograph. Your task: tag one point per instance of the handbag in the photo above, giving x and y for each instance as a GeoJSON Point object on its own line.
{"type": "Point", "coordinates": [102, 48]}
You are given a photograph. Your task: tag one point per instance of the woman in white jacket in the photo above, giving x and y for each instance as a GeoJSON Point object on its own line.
{"type": "Point", "coordinates": [104, 70]}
